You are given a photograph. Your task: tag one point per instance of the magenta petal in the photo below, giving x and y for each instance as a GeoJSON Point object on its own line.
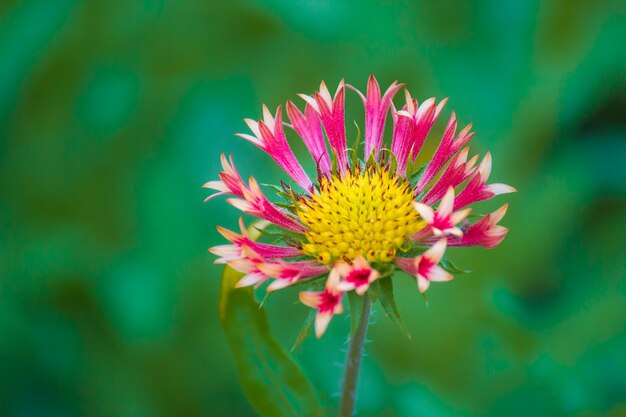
{"type": "Point", "coordinates": [332, 115]}
{"type": "Point", "coordinates": [376, 108]}
{"type": "Point", "coordinates": [309, 128]}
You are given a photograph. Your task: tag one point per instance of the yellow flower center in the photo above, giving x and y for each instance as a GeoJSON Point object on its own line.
{"type": "Point", "coordinates": [369, 213]}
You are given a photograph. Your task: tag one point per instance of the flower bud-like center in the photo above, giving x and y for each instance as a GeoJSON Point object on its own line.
{"type": "Point", "coordinates": [367, 212]}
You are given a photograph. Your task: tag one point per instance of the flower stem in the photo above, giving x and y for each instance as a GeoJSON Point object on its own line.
{"type": "Point", "coordinates": [353, 361]}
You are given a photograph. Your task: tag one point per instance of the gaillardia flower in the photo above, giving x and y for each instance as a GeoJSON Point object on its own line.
{"type": "Point", "coordinates": [363, 215]}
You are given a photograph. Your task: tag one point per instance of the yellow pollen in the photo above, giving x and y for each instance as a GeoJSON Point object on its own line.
{"type": "Point", "coordinates": [369, 213]}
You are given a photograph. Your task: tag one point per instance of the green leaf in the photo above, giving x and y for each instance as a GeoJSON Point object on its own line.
{"type": "Point", "coordinates": [333, 163]}
{"type": "Point", "coordinates": [370, 160]}
{"type": "Point", "coordinates": [425, 297]}
{"type": "Point", "coordinates": [356, 302]}
{"type": "Point", "coordinates": [452, 268]}
{"type": "Point", "coordinates": [287, 206]}
{"type": "Point", "coordinates": [474, 216]}
{"type": "Point", "coordinates": [274, 231]}
{"type": "Point", "coordinates": [414, 169]}
{"type": "Point", "coordinates": [388, 302]}
{"type": "Point", "coordinates": [306, 329]}
{"type": "Point", "coordinates": [374, 290]}
{"type": "Point", "coordinates": [270, 378]}
{"type": "Point", "coordinates": [393, 162]}
{"type": "Point", "coordinates": [276, 189]}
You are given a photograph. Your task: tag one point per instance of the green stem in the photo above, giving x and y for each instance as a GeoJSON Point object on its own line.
{"type": "Point", "coordinates": [353, 361]}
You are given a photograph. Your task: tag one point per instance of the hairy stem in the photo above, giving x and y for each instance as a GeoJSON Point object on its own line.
{"type": "Point", "coordinates": [353, 361]}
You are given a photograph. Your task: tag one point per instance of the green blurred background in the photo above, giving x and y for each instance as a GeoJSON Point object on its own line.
{"type": "Point", "coordinates": [113, 113]}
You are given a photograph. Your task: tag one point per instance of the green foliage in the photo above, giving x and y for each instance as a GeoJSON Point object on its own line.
{"type": "Point", "coordinates": [388, 302]}
{"type": "Point", "coordinates": [356, 302]}
{"type": "Point", "coordinates": [374, 291]}
{"type": "Point", "coordinates": [389, 158]}
{"type": "Point", "coordinates": [273, 382]}
{"type": "Point", "coordinates": [449, 266]}
{"type": "Point", "coordinates": [306, 329]}
{"type": "Point", "coordinates": [415, 169]}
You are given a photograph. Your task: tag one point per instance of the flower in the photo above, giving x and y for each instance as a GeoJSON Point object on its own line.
{"type": "Point", "coordinates": [362, 216]}
{"type": "Point", "coordinates": [327, 302]}
{"type": "Point", "coordinates": [425, 267]}
{"type": "Point", "coordinates": [443, 221]}
{"type": "Point", "coordinates": [357, 276]}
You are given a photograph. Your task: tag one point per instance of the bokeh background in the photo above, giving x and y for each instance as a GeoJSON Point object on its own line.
{"type": "Point", "coordinates": [114, 113]}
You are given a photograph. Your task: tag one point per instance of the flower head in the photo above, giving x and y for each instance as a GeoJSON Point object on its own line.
{"type": "Point", "coordinates": [364, 214]}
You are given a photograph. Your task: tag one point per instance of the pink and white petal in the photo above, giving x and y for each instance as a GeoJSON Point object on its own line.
{"type": "Point", "coordinates": [249, 253]}
{"type": "Point", "coordinates": [310, 298]}
{"type": "Point", "coordinates": [309, 128]}
{"type": "Point", "coordinates": [215, 185]}
{"type": "Point", "coordinates": [454, 231]}
{"type": "Point", "coordinates": [422, 234]}
{"type": "Point", "coordinates": [422, 283]}
{"type": "Point", "coordinates": [341, 269]}
{"type": "Point", "coordinates": [212, 196]}
{"type": "Point", "coordinates": [325, 94]}
{"type": "Point", "coordinates": [455, 173]}
{"type": "Point", "coordinates": [484, 232]}
{"type": "Point", "coordinates": [279, 284]}
{"type": "Point", "coordinates": [240, 204]}
{"type": "Point", "coordinates": [458, 216]}
{"type": "Point", "coordinates": [276, 270]}
{"type": "Point", "coordinates": [438, 232]}
{"type": "Point", "coordinates": [408, 265]}
{"type": "Point", "coordinates": [252, 139]}
{"type": "Point", "coordinates": [334, 277]}
{"type": "Point", "coordinates": [360, 94]}
{"type": "Point", "coordinates": [435, 253]}
{"type": "Point", "coordinates": [439, 159]}
{"type": "Point", "coordinates": [229, 235]}
{"type": "Point", "coordinates": [242, 265]}
{"type": "Point", "coordinates": [226, 253]}
{"type": "Point", "coordinates": [438, 274]}
{"type": "Point", "coordinates": [331, 112]}
{"type": "Point", "coordinates": [253, 125]}
{"type": "Point", "coordinates": [256, 204]}
{"type": "Point", "coordinates": [497, 215]}
{"type": "Point", "coordinates": [287, 273]}
{"type": "Point", "coordinates": [440, 107]}
{"type": "Point", "coordinates": [374, 275]}
{"type": "Point", "coordinates": [274, 251]}
{"type": "Point", "coordinates": [361, 289]}
{"type": "Point", "coordinates": [376, 108]}
{"type": "Point", "coordinates": [497, 189]}
{"type": "Point", "coordinates": [253, 278]}
{"type": "Point", "coordinates": [360, 262]}
{"type": "Point", "coordinates": [446, 204]}
{"type": "Point", "coordinates": [485, 168]}
{"type": "Point", "coordinates": [346, 286]}
{"type": "Point", "coordinates": [268, 119]}
{"type": "Point", "coordinates": [280, 151]}
{"type": "Point", "coordinates": [311, 101]}
{"type": "Point", "coordinates": [322, 319]}
{"type": "Point", "coordinates": [425, 212]}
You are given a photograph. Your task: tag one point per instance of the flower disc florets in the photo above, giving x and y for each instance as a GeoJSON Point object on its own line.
{"type": "Point", "coordinates": [368, 212]}
{"type": "Point", "coordinates": [365, 214]}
